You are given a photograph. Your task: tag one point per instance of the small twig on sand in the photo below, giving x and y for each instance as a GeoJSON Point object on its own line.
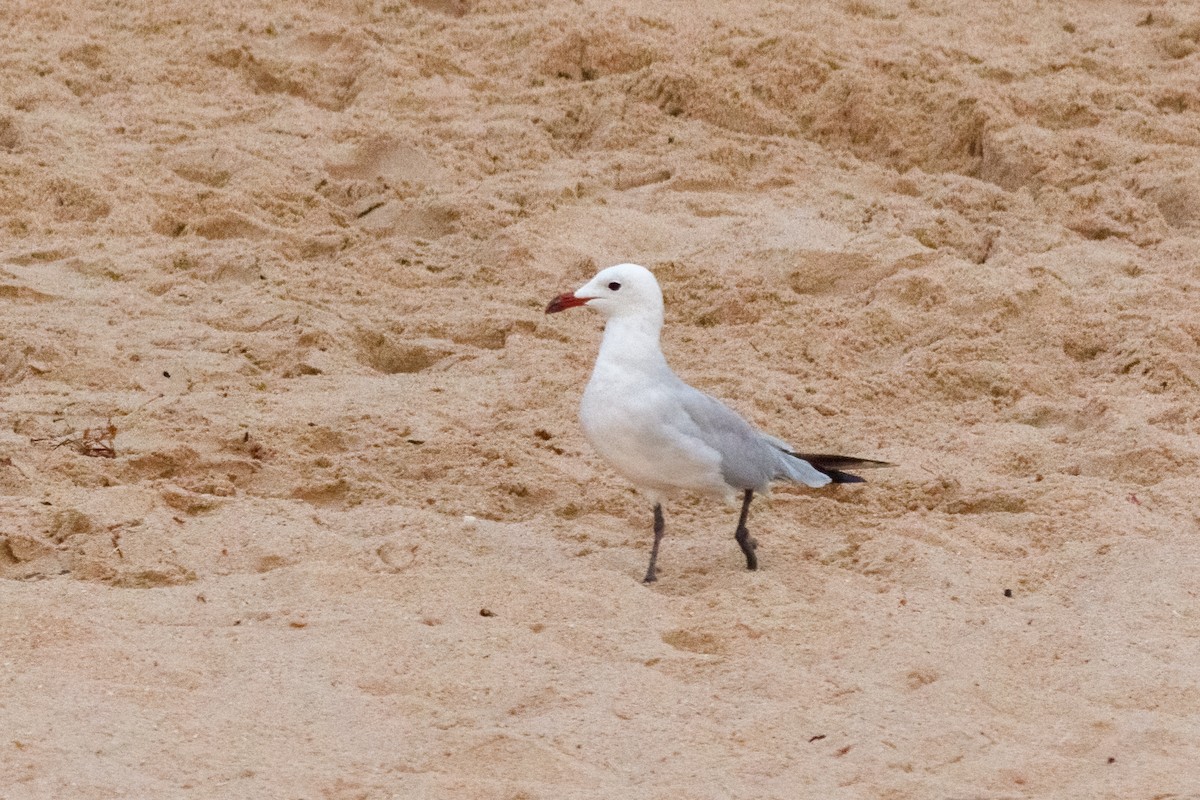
{"type": "Point", "coordinates": [98, 442]}
{"type": "Point", "coordinates": [95, 442]}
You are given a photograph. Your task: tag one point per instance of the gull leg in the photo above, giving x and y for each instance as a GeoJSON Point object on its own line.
{"type": "Point", "coordinates": [743, 535]}
{"type": "Point", "coordinates": [659, 528]}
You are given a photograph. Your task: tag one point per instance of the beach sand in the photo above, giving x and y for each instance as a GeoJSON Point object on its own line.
{"type": "Point", "coordinates": [293, 498]}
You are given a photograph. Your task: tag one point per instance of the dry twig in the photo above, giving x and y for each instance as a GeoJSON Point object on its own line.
{"type": "Point", "coordinates": [95, 442]}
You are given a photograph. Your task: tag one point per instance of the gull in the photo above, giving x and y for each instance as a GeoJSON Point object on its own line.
{"type": "Point", "coordinates": [665, 436]}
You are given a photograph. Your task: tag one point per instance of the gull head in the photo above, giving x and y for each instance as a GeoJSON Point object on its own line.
{"type": "Point", "coordinates": [624, 290]}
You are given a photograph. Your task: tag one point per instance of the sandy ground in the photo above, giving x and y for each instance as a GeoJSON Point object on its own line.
{"type": "Point", "coordinates": [293, 499]}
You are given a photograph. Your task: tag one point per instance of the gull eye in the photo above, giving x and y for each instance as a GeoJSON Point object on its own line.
{"type": "Point", "coordinates": [614, 286]}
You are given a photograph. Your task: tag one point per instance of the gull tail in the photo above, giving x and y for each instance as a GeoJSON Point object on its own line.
{"type": "Point", "coordinates": [834, 466]}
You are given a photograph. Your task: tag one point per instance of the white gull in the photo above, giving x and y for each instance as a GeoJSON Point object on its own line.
{"type": "Point", "coordinates": [665, 436]}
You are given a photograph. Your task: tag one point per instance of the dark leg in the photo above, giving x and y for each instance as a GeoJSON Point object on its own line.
{"type": "Point", "coordinates": [743, 536]}
{"type": "Point", "coordinates": [659, 527]}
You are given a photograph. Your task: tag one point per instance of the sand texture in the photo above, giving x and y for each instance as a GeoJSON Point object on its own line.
{"type": "Point", "coordinates": [294, 501]}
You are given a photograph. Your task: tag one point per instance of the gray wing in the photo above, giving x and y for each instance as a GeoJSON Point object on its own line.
{"type": "Point", "coordinates": [749, 459]}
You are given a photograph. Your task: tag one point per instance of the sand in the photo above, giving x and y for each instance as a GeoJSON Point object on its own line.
{"type": "Point", "coordinates": [293, 499]}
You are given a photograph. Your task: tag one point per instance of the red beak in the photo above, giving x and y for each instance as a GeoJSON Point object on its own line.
{"type": "Point", "coordinates": [565, 301]}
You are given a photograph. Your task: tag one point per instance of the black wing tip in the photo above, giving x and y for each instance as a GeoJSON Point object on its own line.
{"type": "Point", "coordinates": [834, 466]}
{"type": "Point", "coordinates": [830, 461]}
{"type": "Point", "coordinates": [837, 476]}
